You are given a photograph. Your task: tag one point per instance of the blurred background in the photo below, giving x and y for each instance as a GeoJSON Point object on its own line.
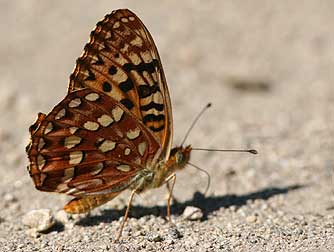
{"type": "Point", "coordinates": [267, 67]}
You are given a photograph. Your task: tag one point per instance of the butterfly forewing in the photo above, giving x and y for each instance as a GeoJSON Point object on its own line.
{"type": "Point", "coordinates": [89, 144]}
{"type": "Point", "coordinates": [121, 60]}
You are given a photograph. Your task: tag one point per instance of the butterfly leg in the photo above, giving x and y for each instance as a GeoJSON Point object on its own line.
{"type": "Point", "coordinates": [125, 216]}
{"type": "Point", "coordinates": [172, 178]}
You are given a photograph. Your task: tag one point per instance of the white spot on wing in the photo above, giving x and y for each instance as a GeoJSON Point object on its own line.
{"type": "Point", "coordinates": [76, 157]}
{"type": "Point", "coordinates": [73, 129]}
{"type": "Point", "coordinates": [134, 58]}
{"type": "Point", "coordinates": [75, 103]}
{"type": "Point", "coordinates": [108, 35]}
{"type": "Point", "coordinates": [142, 148]}
{"type": "Point", "coordinates": [117, 113]}
{"type": "Point", "coordinates": [127, 151]}
{"type": "Point", "coordinates": [132, 18]}
{"type": "Point", "coordinates": [97, 169]}
{"type": "Point", "coordinates": [91, 125]}
{"type": "Point", "coordinates": [48, 128]}
{"type": "Point", "coordinates": [124, 20]}
{"type": "Point", "coordinates": [105, 120]}
{"type": "Point", "coordinates": [41, 144]}
{"type": "Point", "coordinates": [60, 114]}
{"type": "Point", "coordinates": [40, 161]}
{"type": "Point", "coordinates": [133, 133]}
{"type": "Point", "coordinates": [146, 55]}
{"type": "Point", "coordinates": [88, 183]}
{"type": "Point", "coordinates": [157, 98]}
{"type": "Point", "coordinates": [137, 42]}
{"type": "Point", "coordinates": [119, 77]}
{"type": "Point", "coordinates": [68, 174]}
{"type": "Point", "coordinates": [123, 168]}
{"type": "Point", "coordinates": [72, 141]}
{"type": "Point", "coordinates": [92, 97]}
{"type": "Point", "coordinates": [116, 25]}
{"type": "Point", "coordinates": [107, 145]}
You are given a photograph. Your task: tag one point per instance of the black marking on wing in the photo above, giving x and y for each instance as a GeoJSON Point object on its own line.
{"type": "Point", "coordinates": [153, 118]}
{"type": "Point", "coordinates": [127, 85]}
{"type": "Point", "coordinates": [152, 105]}
{"type": "Point", "coordinates": [157, 129]}
{"type": "Point", "coordinates": [91, 75]}
{"type": "Point", "coordinates": [112, 70]}
{"type": "Point", "coordinates": [106, 86]}
{"type": "Point", "coordinates": [141, 67]}
{"type": "Point", "coordinates": [127, 103]}
{"type": "Point", "coordinates": [146, 90]}
{"type": "Point", "coordinates": [99, 61]}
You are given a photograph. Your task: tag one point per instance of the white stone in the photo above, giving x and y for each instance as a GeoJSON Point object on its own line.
{"type": "Point", "coordinates": [192, 213]}
{"type": "Point", "coordinates": [39, 220]}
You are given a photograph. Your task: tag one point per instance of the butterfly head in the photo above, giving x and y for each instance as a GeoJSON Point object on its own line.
{"type": "Point", "coordinates": [179, 157]}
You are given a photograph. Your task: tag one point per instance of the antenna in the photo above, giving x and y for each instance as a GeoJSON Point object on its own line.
{"type": "Point", "coordinates": [207, 174]}
{"type": "Point", "coordinates": [194, 122]}
{"type": "Point", "coordinates": [252, 151]}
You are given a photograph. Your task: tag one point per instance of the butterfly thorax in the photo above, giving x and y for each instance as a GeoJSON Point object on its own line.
{"type": "Point", "coordinates": [156, 176]}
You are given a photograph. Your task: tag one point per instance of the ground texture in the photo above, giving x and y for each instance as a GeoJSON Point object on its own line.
{"type": "Point", "coordinates": [266, 66]}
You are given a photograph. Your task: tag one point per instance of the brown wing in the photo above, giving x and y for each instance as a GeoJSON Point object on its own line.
{"type": "Point", "coordinates": [89, 144]}
{"type": "Point", "coordinates": [122, 61]}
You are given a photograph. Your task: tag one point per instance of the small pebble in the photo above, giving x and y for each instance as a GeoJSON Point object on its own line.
{"type": "Point", "coordinates": [192, 213]}
{"type": "Point", "coordinates": [251, 218]}
{"type": "Point", "coordinates": [40, 220]}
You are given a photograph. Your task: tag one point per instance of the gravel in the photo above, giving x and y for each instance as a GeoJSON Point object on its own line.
{"type": "Point", "coordinates": [267, 68]}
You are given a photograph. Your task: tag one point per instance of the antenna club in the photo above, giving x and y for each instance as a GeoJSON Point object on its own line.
{"type": "Point", "coordinates": [209, 105]}
{"type": "Point", "coordinates": [253, 152]}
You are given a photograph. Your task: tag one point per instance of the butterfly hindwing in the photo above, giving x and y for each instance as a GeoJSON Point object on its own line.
{"type": "Point", "coordinates": [89, 144]}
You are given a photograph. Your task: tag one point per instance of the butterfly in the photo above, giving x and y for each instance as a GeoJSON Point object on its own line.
{"type": "Point", "coordinates": [113, 130]}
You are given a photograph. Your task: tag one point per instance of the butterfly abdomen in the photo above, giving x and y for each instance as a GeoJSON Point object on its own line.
{"type": "Point", "coordinates": [85, 204]}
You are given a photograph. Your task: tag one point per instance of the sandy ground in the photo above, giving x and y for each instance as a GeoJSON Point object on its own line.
{"type": "Point", "coordinates": [267, 67]}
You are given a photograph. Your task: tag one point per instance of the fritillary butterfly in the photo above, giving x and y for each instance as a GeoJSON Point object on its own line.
{"type": "Point", "coordinates": [113, 130]}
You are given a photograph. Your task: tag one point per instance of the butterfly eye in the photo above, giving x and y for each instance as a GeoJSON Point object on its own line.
{"type": "Point", "coordinates": [179, 158]}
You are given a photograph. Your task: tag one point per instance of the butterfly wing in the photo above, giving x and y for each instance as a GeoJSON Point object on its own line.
{"type": "Point", "coordinates": [89, 145]}
{"type": "Point", "coordinates": [122, 61]}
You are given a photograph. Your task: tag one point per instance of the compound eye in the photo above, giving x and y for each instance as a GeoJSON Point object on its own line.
{"type": "Point", "coordinates": [179, 158]}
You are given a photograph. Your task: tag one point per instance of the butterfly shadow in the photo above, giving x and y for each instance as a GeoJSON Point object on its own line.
{"type": "Point", "coordinates": [206, 204]}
